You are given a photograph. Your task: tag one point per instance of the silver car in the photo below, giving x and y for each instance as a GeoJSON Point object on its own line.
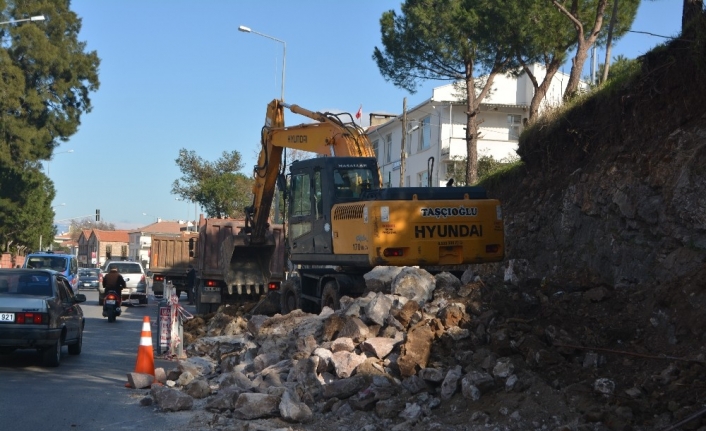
{"type": "Point", "coordinates": [135, 280]}
{"type": "Point", "coordinates": [38, 310]}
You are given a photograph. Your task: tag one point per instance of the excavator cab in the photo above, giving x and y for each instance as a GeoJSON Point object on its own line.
{"type": "Point", "coordinates": [316, 186]}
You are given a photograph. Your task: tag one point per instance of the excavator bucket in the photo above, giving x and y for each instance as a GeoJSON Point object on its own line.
{"type": "Point", "coordinates": [250, 268]}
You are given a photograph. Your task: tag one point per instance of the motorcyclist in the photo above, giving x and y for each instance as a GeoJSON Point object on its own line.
{"type": "Point", "coordinates": [115, 282]}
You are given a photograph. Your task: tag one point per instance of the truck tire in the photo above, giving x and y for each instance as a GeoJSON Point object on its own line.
{"type": "Point", "coordinates": [330, 296]}
{"type": "Point", "coordinates": [289, 297]}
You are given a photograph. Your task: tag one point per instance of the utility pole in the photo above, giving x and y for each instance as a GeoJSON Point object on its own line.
{"type": "Point", "coordinates": [404, 140]}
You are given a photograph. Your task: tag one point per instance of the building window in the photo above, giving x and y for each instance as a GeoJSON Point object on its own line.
{"type": "Point", "coordinates": [423, 179]}
{"type": "Point", "coordinates": [514, 122]}
{"type": "Point", "coordinates": [388, 148]}
{"type": "Point", "coordinates": [108, 252]}
{"type": "Point", "coordinates": [425, 138]}
{"type": "Point", "coordinates": [407, 181]}
{"type": "Point", "coordinates": [375, 148]}
{"type": "Point", "coordinates": [123, 250]}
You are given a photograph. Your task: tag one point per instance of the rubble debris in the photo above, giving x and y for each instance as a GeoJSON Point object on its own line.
{"type": "Point", "coordinates": [474, 353]}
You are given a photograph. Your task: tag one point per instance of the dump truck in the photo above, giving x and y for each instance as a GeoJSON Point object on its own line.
{"type": "Point", "coordinates": [340, 220]}
{"type": "Point", "coordinates": [170, 260]}
{"type": "Point", "coordinates": [226, 274]}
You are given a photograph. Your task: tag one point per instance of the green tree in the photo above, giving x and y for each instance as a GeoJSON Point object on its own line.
{"type": "Point", "coordinates": [457, 40]}
{"type": "Point", "coordinates": [587, 18]}
{"type": "Point", "coordinates": [218, 186]}
{"type": "Point", "coordinates": [487, 165]}
{"type": "Point", "coordinates": [46, 77]}
{"type": "Point", "coordinates": [691, 11]}
{"type": "Point", "coordinates": [25, 208]}
{"type": "Point", "coordinates": [542, 33]}
{"type": "Point", "coordinates": [621, 66]}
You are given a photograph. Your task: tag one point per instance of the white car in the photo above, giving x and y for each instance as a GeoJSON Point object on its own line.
{"type": "Point", "coordinates": [135, 279]}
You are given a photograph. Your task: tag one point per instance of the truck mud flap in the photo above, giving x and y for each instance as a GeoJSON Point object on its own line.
{"type": "Point", "coordinates": [248, 266]}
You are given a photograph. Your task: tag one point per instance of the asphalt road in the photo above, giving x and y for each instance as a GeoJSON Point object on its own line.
{"type": "Point", "coordinates": [86, 392]}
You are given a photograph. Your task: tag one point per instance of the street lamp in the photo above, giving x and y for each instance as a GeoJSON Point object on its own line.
{"type": "Point", "coordinates": [284, 51]}
{"type": "Point", "coordinates": [34, 18]}
{"type": "Point", "coordinates": [60, 152]}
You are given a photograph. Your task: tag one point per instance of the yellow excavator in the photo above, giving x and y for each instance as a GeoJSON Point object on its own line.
{"type": "Point", "coordinates": [341, 222]}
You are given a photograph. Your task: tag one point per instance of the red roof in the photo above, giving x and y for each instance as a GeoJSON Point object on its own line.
{"type": "Point", "coordinates": [111, 235]}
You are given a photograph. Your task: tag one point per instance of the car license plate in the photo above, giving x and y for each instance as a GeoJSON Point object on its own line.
{"type": "Point", "coordinates": [110, 301]}
{"type": "Point", "coordinates": [7, 317]}
{"type": "Point", "coordinates": [86, 284]}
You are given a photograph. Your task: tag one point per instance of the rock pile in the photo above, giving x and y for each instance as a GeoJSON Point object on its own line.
{"type": "Point", "coordinates": [416, 352]}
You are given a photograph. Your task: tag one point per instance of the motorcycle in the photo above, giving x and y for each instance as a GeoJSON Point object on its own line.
{"type": "Point", "coordinates": [112, 306]}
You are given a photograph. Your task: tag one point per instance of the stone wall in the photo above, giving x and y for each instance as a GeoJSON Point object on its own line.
{"type": "Point", "coordinates": [613, 192]}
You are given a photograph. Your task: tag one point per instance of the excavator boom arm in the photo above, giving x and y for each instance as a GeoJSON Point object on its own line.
{"type": "Point", "coordinates": [329, 137]}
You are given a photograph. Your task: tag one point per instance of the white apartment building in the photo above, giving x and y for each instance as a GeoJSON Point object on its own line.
{"type": "Point", "coordinates": [436, 129]}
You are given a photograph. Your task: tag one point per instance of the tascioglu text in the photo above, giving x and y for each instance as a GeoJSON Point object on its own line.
{"type": "Point", "coordinates": [449, 212]}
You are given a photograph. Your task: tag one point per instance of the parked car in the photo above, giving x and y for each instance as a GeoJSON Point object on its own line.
{"type": "Point", "coordinates": [89, 278]}
{"type": "Point", "coordinates": [39, 310]}
{"type": "Point", "coordinates": [67, 264]}
{"type": "Point", "coordinates": [135, 279]}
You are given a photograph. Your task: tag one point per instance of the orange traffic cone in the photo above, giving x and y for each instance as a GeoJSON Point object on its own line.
{"type": "Point", "coordinates": [145, 354]}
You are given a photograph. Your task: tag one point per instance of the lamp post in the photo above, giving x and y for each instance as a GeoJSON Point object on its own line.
{"type": "Point", "coordinates": [60, 152]}
{"type": "Point", "coordinates": [284, 51]}
{"type": "Point", "coordinates": [33, 18]}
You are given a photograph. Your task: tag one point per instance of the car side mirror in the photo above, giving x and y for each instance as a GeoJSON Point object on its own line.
{"type": "Point", "coordinates": [80, 297]}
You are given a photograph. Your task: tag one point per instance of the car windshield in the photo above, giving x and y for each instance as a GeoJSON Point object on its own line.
{"type": "Point", "coordinates": [126, 268]}
{"type": "Point", "coordinates": [88, 273]}
{"type": "Point", "coordinates": [36, 284]}
{"type": "Point", "coordinates": [57, 263]}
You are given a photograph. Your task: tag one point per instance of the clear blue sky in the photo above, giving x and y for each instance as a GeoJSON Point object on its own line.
{"type": "Point", "coordinates": [178, 74]}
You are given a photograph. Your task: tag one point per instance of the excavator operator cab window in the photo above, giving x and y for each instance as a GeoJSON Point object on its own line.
{"type": "Point", "coordinates": [301, 201]}
{"type": "Point", "coordinates": [350, 183]}
{"type": "Point", "coordinates": [300, 206]}
{"type": "Point", "coordinates": [318, 195]}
